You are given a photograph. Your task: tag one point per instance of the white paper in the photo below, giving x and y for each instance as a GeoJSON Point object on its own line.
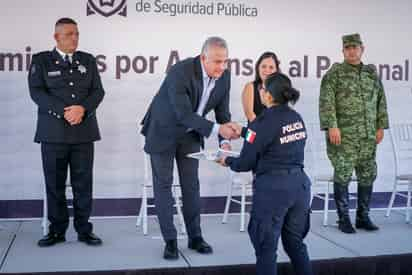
{"type": "Point", "coordinates": [213, 155]}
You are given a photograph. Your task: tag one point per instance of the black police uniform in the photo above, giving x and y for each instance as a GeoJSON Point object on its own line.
{"type": "Point", "coordinates": [274, 150]}
{"type": "Point", "coordinates": [55, 84]}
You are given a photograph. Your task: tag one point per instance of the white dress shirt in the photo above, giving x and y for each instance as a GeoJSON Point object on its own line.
{"type": "Point", "coordinates": [64, 54]}
{"type": "Point", "coordinates": [208, 85]}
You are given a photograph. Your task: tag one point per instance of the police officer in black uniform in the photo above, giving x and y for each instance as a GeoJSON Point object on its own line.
{"type": "Point", "coordinates": [274, 150]}
{"type": "Point", "coordinates": [66, 86]}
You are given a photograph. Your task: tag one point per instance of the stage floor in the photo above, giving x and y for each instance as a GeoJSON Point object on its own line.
{"type": "Point", "coordinates": [126, 248]}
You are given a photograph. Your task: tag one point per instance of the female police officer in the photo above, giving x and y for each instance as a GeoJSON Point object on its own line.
{"type": "Point", "coordinates": [274, 150]}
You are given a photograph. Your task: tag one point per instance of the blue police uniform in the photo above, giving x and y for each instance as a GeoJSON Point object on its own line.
{"type": "Point", "coordinates": [54, 84]}
{"type": "Point", "coordinates": [274, 150]}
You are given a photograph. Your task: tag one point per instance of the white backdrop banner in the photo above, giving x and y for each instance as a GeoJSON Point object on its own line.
{"type": "Point", "coordinates": [136, 41]}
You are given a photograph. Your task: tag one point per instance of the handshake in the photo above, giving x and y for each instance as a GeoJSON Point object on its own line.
{"type": "Point", "coordinates": [230, 130]}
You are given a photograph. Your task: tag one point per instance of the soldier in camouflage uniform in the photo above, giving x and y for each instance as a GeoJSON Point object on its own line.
{"type": "Point", "coordinates": [352, 109]}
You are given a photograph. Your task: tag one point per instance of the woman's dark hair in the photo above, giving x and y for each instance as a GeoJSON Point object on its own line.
{"type": "Point", "coordinates": [280, 87]}
{"type": "Point", "coordinates": [265, 55]}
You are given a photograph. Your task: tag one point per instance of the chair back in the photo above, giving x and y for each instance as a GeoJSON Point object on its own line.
{"type": "Point", "coordinates": [401, 141]}
{"type": "Point", "coordinates": [316, 159]}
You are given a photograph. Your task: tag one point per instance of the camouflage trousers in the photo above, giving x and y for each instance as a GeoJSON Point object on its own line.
{"type": "Point", "coordinates": [358, 155]}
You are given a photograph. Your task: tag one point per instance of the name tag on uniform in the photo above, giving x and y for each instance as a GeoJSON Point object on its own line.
{"type": "Point", "coordinates": [55, 73]}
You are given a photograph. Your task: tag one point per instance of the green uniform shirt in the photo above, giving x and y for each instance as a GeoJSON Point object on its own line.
{"type": "Point", "coordinates": [352, 99]}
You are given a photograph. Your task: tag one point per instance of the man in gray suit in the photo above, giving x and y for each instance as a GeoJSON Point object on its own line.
{"type": "Point", "coordinates": [174, 126]}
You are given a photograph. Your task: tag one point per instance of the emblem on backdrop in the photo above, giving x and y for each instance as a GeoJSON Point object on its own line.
{"type": "Point", "coordinates": [107, 8]}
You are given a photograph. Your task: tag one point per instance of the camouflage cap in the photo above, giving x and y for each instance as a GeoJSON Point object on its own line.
{"type": "Point", "coordinates": [351, 40]}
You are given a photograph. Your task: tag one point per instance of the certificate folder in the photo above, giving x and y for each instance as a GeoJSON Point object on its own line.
{"type": "Point", "coordinates": [213, 155]}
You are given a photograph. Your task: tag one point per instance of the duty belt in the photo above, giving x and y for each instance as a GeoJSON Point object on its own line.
{"type": "Point", "coordinates": [286, 171]}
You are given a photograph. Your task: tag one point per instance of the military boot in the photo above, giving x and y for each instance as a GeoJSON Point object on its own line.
{"type": "Point", "coordinates": [362, 214]}
{"type": "Point", "coordinates": [341, 195]}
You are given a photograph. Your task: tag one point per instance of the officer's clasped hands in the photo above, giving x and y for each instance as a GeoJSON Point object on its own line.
{"type": "Point", "coordinates": [74, 114]}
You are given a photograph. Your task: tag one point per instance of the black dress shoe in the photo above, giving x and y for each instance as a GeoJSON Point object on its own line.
{"type": "Point", "coordinates": [366, 224]}
{"type": "Point", "coordinates": [200, 245]}
{"type": "Point", "coordinates": [89, 239]}
{"type": "Point", "coordinates": [51, 239]}
{"type": "Point", "coordinates": [171, 252]}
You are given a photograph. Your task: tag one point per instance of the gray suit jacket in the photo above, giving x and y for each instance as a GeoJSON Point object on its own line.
{"type": "Point", "coordinates": [173, 109]}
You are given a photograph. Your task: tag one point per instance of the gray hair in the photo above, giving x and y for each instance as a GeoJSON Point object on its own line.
{"type": "Point", "coordinates": [213, 41]}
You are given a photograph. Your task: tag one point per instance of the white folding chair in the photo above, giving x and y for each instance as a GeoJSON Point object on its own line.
{"type": "Point", "coordinates": [69, 194]}
{"type": "Point", "coordinates": [401, 139]}
{"type": "Point", "coordinates": [236, 181]}
{"type": "Point", "coordinates": [319, 168]}
{"type": "Point", "coordinates": [147, 187]}
{"type": "Point", "coordinates": [45, 221]}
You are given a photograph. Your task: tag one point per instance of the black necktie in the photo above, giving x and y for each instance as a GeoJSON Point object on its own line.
{"type": "Point", "coordinates": [67, 59]}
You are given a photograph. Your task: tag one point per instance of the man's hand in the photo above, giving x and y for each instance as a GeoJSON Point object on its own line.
{"type": "Point", "coordinates": [226, 146]}
{"type": "Point", "coordinates": [221, 161]}
{"type": "Point", "coordinates": [379, 135]}
{"type": "Point", "coordinates": [236, 127]}
{"type": "Point", "coordinates": [334, 136]}
{"type": "Point", "coordinates": [74, 114]}
{"type": "Point", "coordinates": [228, 131]}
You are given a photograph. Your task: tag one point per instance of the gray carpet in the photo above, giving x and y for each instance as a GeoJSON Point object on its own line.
{"type": "Point", "coordinates": [125, 247]}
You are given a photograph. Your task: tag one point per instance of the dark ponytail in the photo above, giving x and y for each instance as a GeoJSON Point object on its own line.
{"type": "Point", "coordinates": [280, 87]}
{"type": "Point", "coordinates": [291, 95]}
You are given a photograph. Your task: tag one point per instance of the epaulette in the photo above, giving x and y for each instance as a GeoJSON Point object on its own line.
{"type": "Point", "coordinates": [84, 54]}
{"type": "Point", "coordinates": [370, 68]}
{"type": "Point", "coordinates": [335, 67]}
{"type": "Point", "coordinates": [42, 54]}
